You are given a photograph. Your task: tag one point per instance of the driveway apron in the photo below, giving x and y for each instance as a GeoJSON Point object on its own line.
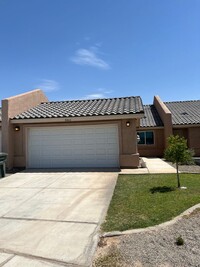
{"type": "Point", "coordinates": [52, 218]}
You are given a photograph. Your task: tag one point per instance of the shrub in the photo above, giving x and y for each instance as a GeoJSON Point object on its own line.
{"type": "Point", "coordinates": [179, 241]}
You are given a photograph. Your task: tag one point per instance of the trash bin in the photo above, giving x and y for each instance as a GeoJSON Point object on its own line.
{"type": "Point", "coordinates": [3, 157]}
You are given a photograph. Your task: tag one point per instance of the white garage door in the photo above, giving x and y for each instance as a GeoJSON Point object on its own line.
{"type": "Point", "coordinates": [73, 146]}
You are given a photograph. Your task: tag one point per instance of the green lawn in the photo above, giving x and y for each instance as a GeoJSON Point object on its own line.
{"type": "Point", "coordinates": [145, 200]}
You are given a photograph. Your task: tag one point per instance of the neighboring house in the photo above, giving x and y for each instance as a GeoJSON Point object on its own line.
{"type": "Point", "coordinates": [37, 133]}
{"type": "Point", "coordinates": [81, 133]}
{"type": "Point", "coordinates": [165, 118]}
{"type": "Point", "coordinates": [186, 121]}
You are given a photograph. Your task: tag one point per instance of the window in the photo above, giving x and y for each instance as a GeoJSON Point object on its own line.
{"type": "Point", "coordinates": [146, 138]}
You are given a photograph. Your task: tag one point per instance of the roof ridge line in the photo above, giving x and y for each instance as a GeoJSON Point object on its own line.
{"type": "Point", "coordinates": [90, 99]}
{"type": "Point", "coordinates": [181, 101]}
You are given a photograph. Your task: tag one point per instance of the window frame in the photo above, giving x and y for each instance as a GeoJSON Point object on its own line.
{"type": "Point", "coordinates": [145, 138]}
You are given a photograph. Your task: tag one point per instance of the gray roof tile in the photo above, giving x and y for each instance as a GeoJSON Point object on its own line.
{"type": "Point", "coordinates": [83, 108]}
{"type": "Point", "coordinates": [184, 112]}
{"type": "Point", "coordinates": [152, 118]}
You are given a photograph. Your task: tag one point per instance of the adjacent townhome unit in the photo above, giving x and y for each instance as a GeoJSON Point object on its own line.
{"type": "Point", "coordinates": [165, 118]}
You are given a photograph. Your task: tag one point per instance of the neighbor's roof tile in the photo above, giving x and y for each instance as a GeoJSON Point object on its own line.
{"type": "Point", "coordinates": [152, 118]}
{"type": "Point", "coordinates": [83, 108]}
{"type": "Point", "coordinates": [184, 112]}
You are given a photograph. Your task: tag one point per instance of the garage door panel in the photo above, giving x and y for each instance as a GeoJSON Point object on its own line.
{"type": "Point", "coordinates": [73, 146]}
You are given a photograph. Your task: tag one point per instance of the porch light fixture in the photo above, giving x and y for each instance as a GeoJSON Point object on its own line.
{"type": "Point", "coordinates": [17, 128]}
{"type": "Point", "coordinates": [128, 123]}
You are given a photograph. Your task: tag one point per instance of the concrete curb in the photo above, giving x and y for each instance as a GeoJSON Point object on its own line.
{"type": "Point", "coordinates": [152, 228]}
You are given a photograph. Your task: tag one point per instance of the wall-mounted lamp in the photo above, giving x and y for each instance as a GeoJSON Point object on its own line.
{"type": "Point", "coordinates": [17, 128]}
{"type": "Point", "coordinates": [128, 123]}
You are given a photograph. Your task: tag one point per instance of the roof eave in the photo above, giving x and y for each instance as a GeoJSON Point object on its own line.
{"type": "Point", "coordinates": [186, 125]}
{"type": "Point", "coordinates": [78, 119]}
{"type": "Point", "coordinates": [150, 127]}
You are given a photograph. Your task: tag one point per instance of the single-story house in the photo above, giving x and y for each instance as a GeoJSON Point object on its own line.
{"type": "Point", "coordinates": [37, 133]}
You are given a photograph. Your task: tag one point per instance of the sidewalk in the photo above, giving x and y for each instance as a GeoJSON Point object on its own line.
{"type": "Point", "coordinates": [151, 165]}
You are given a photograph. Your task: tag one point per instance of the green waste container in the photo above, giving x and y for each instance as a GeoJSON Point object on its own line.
{"type": "Point", "coordinates": [3, 157]}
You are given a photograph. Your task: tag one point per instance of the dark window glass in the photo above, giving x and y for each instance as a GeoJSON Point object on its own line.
{"type": "Point", "coordinates": [146, 138]}
{"type": "Point", "coordinates": [149, 138]}
{"type": "Point", "coordinates": [142, 138]}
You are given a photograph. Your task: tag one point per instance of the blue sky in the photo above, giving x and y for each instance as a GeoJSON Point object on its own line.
{"type": "Point", "coordinates": [78, 49]}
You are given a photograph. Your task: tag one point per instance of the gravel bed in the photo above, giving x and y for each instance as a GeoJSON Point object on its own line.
{"type": "Point", "coordinates": [187, 168]}
{"type": "Point", "coordinates": [157, 248]}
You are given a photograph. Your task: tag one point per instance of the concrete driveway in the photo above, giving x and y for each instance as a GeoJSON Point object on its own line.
{"type": "Point", "coordinates": [52, 218]}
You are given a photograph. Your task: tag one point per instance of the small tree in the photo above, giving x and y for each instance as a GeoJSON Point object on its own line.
{"type": "Point", "coordinates": [178, 153]}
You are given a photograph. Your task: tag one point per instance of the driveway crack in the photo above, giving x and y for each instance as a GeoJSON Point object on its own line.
{"type": "Point", "coordinates": [39, 258]}
{"type": "Point", "coordinates": [46, 220]}
{"type": "Point", "coordinates": [7, 260]}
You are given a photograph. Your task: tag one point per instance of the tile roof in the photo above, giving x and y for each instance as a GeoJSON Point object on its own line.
{"type": "Point", "coordinates": [184, 112]}
{"type": "Point", "coordinates": [83, 108]}
{"type": "Point", "coordinates": [152, 118]}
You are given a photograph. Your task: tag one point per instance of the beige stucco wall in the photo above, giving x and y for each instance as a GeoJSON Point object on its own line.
{"type": "Point", "coordinates": [194, 139]}
{"type": "Point", "coordinates": [11, 107]}
{"type": "Point", "coordinates": [182, 132]}
{"type": "Point", "coordinates": [128, 156]}
{"type": "Point", "coordinates": [165, 115]}
{"type": "Point", "coordinates": [192, 134]}
{"type": "Point", "coordinates": [155, 150]}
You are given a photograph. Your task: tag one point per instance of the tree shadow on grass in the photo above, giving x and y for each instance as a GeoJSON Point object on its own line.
{"type": "Point", "coordinates": [161, 189]}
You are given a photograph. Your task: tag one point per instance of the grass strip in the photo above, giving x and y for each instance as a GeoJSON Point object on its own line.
{"type": "Point", "coordinates": [140, 201]}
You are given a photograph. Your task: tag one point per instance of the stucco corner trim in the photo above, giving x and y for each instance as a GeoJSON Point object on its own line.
{"type": "Point", "coordinates": [157, 101]}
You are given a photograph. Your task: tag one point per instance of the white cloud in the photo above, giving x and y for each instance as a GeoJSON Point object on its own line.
{"type": "Point", "coordinates": [92, 96]}
{"type": "Point", "coordinates": [48, 85]}
{"type": "Point", "coordinates": [104, 91]}
{"type": "Point", "coordinates": [89, 57]}
{"type": "Point", "coordinates": [100, 93]}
